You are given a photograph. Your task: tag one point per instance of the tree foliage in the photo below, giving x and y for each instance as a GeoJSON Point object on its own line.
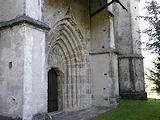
{"type": "Point", "coordinates": [152, 17]}
{"type": "Point", "coordinates": [154, 75]}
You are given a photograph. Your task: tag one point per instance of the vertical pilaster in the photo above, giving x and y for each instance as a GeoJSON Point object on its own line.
{"type": "Point", "coordinates": [104, 61]}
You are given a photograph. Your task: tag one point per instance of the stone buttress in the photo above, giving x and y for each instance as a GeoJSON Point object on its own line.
{"type": "Point", "coordinates": [131, 70]}
{"type": "Point", "coordinates": [23, 64]}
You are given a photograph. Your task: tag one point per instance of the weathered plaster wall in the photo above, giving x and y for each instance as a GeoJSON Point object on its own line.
{"type": "Point", "coordinates": [124, 29]}
{"type": "Point", "coordinates": [10, 9]}
{"type": "Point", "coordinates": [78, 10]}
{"type": "Point", "coordinates": [134, 9]}
{"type": "Point", "coordinates": [132, 80]}
{"type": "Point", "coordinates": [11, 71]}
{"type": "Point", "coordinates": [101, 40]}
{"type": "Point", "coordinates": [35, 76]}
{"type": "Point", "coordinates": [105, 79]}
{"type": "Point", "coordinates": [100, 26]}
{"type": "Point", "coordinates": [128, 27]}
{"type": "Point", "coordinates": [34, 9]}
{"type": "Point", "coordinates": [104, 64]}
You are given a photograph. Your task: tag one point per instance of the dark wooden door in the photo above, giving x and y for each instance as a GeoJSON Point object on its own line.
{"type": "Point", "coordinates": [52, 91]}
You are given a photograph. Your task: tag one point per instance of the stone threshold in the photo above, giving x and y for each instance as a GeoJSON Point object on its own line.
{"type": "Point", "coordinates": [79, 115]}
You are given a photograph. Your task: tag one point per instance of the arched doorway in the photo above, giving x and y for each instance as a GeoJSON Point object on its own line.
{"type": "Point", "coordinates": [67, 52]}
{"type": "Point", "coordinates": [52, 91]}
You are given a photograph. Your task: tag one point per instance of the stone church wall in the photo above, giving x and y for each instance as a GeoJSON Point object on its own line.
{"type": "Point", "coordinates": [93, 57]}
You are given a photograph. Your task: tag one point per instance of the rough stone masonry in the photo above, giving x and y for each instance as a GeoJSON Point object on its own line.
{"type": "Point", "coordinates": [55, 56]}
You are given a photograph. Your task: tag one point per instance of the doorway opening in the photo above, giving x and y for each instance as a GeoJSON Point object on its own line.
{"type": "Point", "coordinates": [52, 91]}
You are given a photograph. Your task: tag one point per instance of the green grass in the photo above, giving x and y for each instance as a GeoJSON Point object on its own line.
{"type": "Point", "coordinates": [133, 110]}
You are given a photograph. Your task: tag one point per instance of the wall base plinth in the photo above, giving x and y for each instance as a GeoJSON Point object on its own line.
{"type": "Point", "coordinates": [134, 95]}
{"type": "Point", "coordinates": [9, 118]}
{"type": "Point", "coordinates": [38, 116]}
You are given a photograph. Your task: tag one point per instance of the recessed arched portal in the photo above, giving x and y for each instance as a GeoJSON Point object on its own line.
{"type": "Point", "coordinates": [67, 52]}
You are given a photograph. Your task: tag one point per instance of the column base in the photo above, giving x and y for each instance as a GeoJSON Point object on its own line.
{"type": "Point", "coordinates": [134, 95]}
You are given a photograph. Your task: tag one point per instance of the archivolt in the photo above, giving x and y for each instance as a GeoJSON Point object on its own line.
{"type": "Point", "coordinates": [67, 43]}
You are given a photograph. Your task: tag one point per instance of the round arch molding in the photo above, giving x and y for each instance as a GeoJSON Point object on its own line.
{"type": "Point", "coordinates": [67, 52]}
